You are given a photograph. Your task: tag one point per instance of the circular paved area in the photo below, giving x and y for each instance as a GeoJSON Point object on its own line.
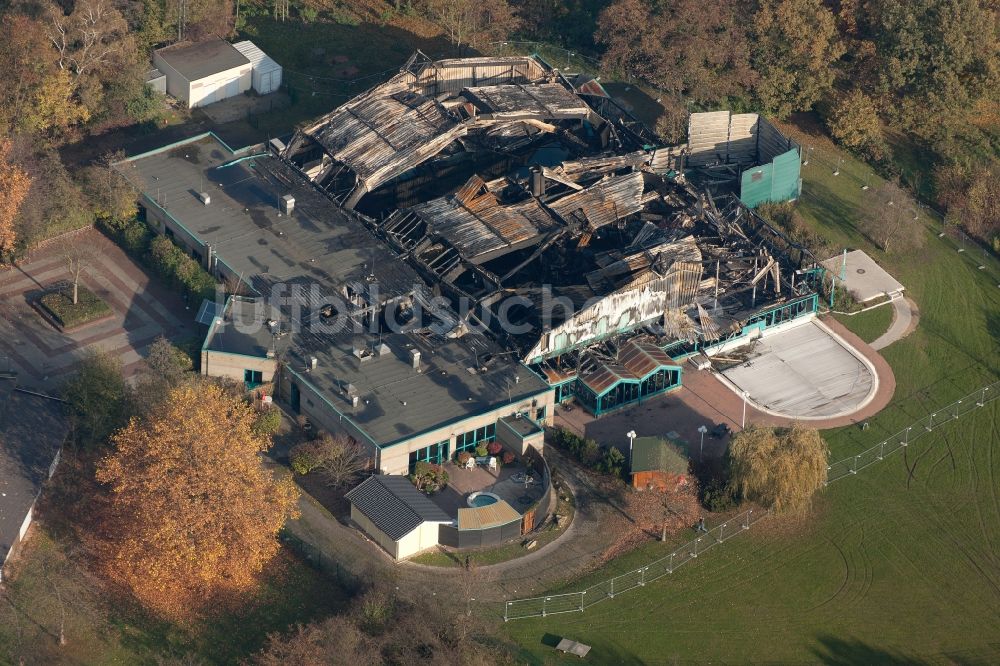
{"type": "Point", "coordinates": [804, 371]}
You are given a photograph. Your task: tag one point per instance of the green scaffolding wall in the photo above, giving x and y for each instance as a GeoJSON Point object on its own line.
{"type": "Point", "coordinates": [780, 180]}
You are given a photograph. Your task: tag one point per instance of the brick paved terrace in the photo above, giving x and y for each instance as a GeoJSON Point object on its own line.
{"type": "Point", "coordinates": [143, 310]}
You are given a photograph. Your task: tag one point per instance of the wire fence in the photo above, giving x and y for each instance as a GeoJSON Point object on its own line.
{"type": "Point", "coordinates": [573, 602]}
{"type": "Point", "coordinates": [906, 436]}
{"type": "Point", "coordinates": [577, 602]}
{"type": "Point", "coordinates": [322, 562]}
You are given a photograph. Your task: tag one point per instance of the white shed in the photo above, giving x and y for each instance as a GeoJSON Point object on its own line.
{"type": "Point", "coordinates": [396, 515]}
{"type": "Point", "coordinates": [266, 72]}
{"type": "Point", "coordinates": [203, 73]}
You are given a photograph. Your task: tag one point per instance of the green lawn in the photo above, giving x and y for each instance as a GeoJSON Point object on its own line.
{"type": "Point", "coordinates": [900, 562]}
{"type": "Point", "coordinates": [353, 59]}
{"type": "Point", "coordinates": [59, 304]}
{"type": "Point", "coordinates": [868, 325]}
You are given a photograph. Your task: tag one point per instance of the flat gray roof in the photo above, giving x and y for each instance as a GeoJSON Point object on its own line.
{"type": "Point", "coordinates": [32, 428]}
{"type": "Point", "coordinates": [863, 277]}
{"type": "Point", "coordinates": [320, 246]}
{"type": "Point", "coordinates": [202, 59]}
{"type": "Point", "coordinates": [804, 372]}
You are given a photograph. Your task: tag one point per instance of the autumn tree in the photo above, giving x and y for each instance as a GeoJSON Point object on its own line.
{"type": "Point", "coordinates": [854, 122]}
{"type": "Point", "coordinates": [687, 47]}
{"type": "Point", "coordinates": [936, 60]}
{"type": "Point", "coordinates": [14, 186]}
{"type": "Point", "coordinates": [795, 48]}
{"type": "Point", "coordinates": [781, 468]}
{"type": "Point", "coordinates": [112, 196]}
{"type": "Point", "coordinates": [193, 515]}
{"type": "Point", "coordinates": [472, 23]}
{"type": "Point", "coordinates": [891, 221]}
{"type": "Point", "coordinates": [970, 196]}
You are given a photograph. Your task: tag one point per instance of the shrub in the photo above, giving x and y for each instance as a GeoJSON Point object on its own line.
{"type": "Point", "coordinates": [463, 457]}
{"type": "Point", "coordinates": [267, 422]}
{"type": "Point", "coordinates": [590, 453]}
{"type": "Point", "coordinates": [481, 450]}
{"type": "Point", "coordinates": [508, 458]}
{"type": "Point", "coordinates": [494, 448]}
{"type": "Point", "coordinates": [612, 462]}
{"type": "Point", "coordinates": [429, 478]}
{"type": "Point", "coordinates": [89, 306]}
{"type": "Point", "coordinates": [306, 457]}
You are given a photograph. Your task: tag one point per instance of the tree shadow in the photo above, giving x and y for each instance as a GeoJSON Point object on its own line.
{"type": "Point", "coordinates": [847, 652]}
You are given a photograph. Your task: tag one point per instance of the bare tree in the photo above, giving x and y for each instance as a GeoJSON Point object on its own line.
{"type": "Point", "coordinates": [92, 37]}
{"type": "Point", "coordinates": [76, 256]}
{"type": "Point", "coordinates": [473, 22]}
{"type": "Point", "coordinates": [892, 221]}
{"type": "Point", "coordinates": [343, 460]}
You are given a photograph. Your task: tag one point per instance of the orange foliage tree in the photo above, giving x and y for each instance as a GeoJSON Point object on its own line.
{"type": "Point", "coordinates": [14, 186]}
{"type": "Point", "coordinates": [193, 515]}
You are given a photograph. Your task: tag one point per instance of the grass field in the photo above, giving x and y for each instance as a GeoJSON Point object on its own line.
{"type": "Point", "coordinates": [898, 564]}
{"type": "Point", "coordinates": [868, 325]}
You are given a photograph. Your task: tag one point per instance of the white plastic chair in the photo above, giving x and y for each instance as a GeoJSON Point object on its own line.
{"type": "Point", "coordinates": [493, 462]}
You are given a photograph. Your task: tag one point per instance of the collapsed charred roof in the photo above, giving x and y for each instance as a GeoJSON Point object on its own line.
{"type": "Point", "coordinates": [537, 205]}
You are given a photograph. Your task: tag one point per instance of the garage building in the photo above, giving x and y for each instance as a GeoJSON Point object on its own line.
{"type": "Point", "coordinates": [203, 73]}
{"type": "Point", "coordinates": [266, 72]}
{"type": "Point", "coordinates": [396, 515]}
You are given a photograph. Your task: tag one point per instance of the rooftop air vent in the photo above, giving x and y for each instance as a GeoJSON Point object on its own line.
{"type": "Point", "coordinates": [287, 204]}
{"type": "Point", "coordinates": [205, 199]}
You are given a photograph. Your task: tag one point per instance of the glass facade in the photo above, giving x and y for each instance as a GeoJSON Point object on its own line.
{"type": "Point", "coordinates": [435, 454]}
{"type": "Point", "coordinates": [470, 440]}
{"type": "Point", "coordinates": [628, 391]}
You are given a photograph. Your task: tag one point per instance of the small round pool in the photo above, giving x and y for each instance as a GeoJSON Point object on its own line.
{"type": "Point", "coordinates": [477, 500]}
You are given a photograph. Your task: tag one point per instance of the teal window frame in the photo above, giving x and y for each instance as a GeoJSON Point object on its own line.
{"type": "Point", "coordinates": [253, 378]}
{"type": "Point", "coordinates": [470, 440]}
{"type": "Point", "coordinates": [435, 454]}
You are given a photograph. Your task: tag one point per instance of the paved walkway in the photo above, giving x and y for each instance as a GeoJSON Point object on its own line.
{"type": "Point", "coordinates": [143, 310]}
{"type": "Point", "coordinates": [905, 316]}
{"type": "Point", "coordinates": [705, 400]}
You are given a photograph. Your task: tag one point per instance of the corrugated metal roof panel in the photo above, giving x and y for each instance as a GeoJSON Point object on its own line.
{"type": "Point", "coordinates": [484, 517]}
{"type": "Point", "coordinates": [394, 505]}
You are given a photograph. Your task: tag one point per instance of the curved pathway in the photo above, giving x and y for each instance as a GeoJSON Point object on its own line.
{"type": "Point", "coordinates": [905, 316]}
{"type": "Point", "coordinates": [575, 551]}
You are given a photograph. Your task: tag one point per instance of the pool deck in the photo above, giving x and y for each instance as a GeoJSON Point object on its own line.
{"type": "Point", "coordinates": [462, 482]}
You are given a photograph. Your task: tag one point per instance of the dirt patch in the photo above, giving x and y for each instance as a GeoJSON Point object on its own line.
{"type": "Point", "coordinates": [331, 498]}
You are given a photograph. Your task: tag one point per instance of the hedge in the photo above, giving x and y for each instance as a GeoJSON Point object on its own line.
{"type": "Point", "coordinates": [163, 256]}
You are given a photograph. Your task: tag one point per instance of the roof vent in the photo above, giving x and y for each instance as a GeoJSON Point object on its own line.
{"type": "Point", "coordinates": [287, 204]}
{"type": "Point", "coordinates": [313, 362]}
{"type": "Point", "coordinates": [415, 359]}
{"type": "Point", "coordinates": [354, 400]}
{"type": "Point", "coordinates": [205, 199]}
{"type": "Point", "coordinates": [382, 349]}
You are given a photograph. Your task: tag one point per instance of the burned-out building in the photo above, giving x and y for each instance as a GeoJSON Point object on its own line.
{"type": "Point", "coordinates": [491, 236]}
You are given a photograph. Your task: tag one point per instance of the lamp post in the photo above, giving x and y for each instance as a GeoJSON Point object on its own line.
{"type": "Point", "coordinates": [701, 448]}
{"type": "Point", "coordinates": [631, 440]}
{"type": "Point", "coordinates": [743, 425]}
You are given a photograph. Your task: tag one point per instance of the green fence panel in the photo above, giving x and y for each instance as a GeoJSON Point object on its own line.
{"type": "Point", "coordinates": [778, 181]}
